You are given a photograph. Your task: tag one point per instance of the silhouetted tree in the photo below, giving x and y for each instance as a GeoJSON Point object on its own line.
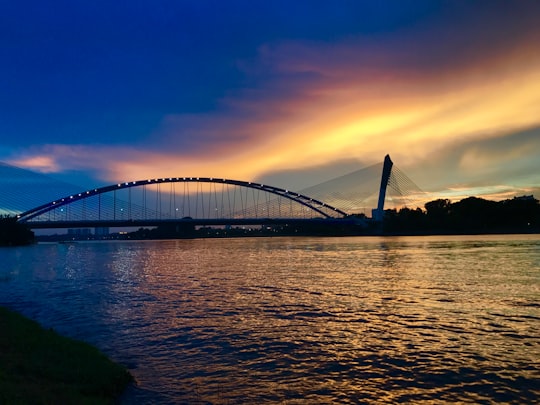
{"type": "Point", "coordinates": [474, 214]}
{"type": "Point", "coordinates": [438, 213]}
{"type": "Point", "coordinates": [520, 212]}
{"type": "Point", "coordinates": [13, 233]}
{"type": "Point", "coordinates": [404, 220]}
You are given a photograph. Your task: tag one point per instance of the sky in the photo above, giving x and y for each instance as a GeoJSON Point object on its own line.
{"type": "Point", "coordinates": [290, 93]}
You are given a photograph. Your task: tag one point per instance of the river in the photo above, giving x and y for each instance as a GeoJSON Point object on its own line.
{"type": "Point", "coordinates": [297, 320]}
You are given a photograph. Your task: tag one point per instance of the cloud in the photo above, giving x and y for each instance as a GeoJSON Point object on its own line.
{"type": "Point", "coordinates": [38, 163]}
{"type": "Point", "coordinates": [316, 102]}
{"type": "Point", "coordinates": [494, 167]}
{"type": "Point", "coordinates": [415, 94]}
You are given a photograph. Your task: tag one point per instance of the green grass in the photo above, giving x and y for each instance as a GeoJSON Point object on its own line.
{"type": "Point", "coordinates": [38, 366]}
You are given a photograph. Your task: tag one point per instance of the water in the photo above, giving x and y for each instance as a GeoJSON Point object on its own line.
{"type": "Point", "coordinates": [297, 320]}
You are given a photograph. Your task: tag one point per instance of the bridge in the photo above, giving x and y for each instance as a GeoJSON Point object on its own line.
{"type": "Point", "coordinates": [206, 201]}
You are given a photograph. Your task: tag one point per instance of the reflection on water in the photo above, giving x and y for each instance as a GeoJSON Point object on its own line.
{"type": "Point", "coordinates": [299, 320]}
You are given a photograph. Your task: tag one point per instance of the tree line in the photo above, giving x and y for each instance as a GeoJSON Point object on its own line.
{"type": "Point", "coordinates": [470, 215]}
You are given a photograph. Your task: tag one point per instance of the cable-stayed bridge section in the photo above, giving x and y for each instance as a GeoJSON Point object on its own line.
{"type": "Point", "coordinates": [377, 186]}
{"type": "Point", "coordinates": [22, 189]}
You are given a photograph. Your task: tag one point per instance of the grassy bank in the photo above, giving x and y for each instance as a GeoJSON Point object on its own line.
{"type": "Point", "coordinates": [38, 366]}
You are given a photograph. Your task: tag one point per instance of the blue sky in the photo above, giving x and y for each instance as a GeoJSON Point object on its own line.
{"type": "Point", "coordinates": [99, 92]}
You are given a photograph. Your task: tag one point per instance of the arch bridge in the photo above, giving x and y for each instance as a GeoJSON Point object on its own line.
{"type": "Point", "coordinates": [195, 200]}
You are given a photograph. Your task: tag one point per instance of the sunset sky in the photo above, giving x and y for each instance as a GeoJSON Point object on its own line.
{"type": "Point", "coordinates": [287, 92]}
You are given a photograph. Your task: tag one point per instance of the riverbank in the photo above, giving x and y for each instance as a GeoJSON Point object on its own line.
{"type": "Point", "coordinates": [13, 233]}
{"type": "Point", "coordinates": [40, 366]}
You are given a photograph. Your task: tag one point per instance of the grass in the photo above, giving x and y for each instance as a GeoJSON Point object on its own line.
{"type": "Point", "coordinates": [38, 366]}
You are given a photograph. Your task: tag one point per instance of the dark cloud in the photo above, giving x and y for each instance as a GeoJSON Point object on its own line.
{"type": "Point", "coordinates": [509, 158]}
{"type": "Point", "coordinates": [111, 70]}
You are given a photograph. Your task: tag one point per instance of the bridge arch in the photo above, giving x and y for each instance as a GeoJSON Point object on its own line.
{"type": "Point", "coordinates": [214, 187]}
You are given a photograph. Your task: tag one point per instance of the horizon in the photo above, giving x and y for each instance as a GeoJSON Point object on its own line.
{"type": "Point", "coordinates": [41, 185]}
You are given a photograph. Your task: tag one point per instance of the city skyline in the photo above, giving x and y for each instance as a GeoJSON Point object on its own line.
{"type": "Point", "coordinates": [291, 95]}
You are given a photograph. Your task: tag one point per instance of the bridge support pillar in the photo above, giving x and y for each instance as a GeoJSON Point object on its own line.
{"type": "Point", "coordinates": [378, 213]}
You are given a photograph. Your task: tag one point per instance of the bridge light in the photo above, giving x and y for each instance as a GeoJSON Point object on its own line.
{"type": "Point", "coordinates": [119, 185]}
{"type": "Point", "coordinates": [134, 182]}
{"type": "Point", "coordinates": [79, 194]}
{"type": "Point", "coordinates": [70, 196]}
{"type": "Point", "coordinates": [127, 184]}
{"type": "Point", "coordinates": [88, 192]}
{"type": "Point", "coordinates": [54, 202]}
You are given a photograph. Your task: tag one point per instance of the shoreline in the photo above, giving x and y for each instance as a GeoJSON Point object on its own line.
{"type": "Point", "coordinates": [38, 365]}
{"type": "Point", "coordinates": [256, 234]}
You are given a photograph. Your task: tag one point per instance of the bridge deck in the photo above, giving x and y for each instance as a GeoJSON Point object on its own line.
{"type": "Point", "coordinates": [189, 222]}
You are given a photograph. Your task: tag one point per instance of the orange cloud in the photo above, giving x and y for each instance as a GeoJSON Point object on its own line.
{"type": "Point", "coordinates": [39, 163]}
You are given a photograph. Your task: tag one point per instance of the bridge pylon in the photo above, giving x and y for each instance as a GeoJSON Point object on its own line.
{"type": "Point", "coordinates": [378, 213]}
